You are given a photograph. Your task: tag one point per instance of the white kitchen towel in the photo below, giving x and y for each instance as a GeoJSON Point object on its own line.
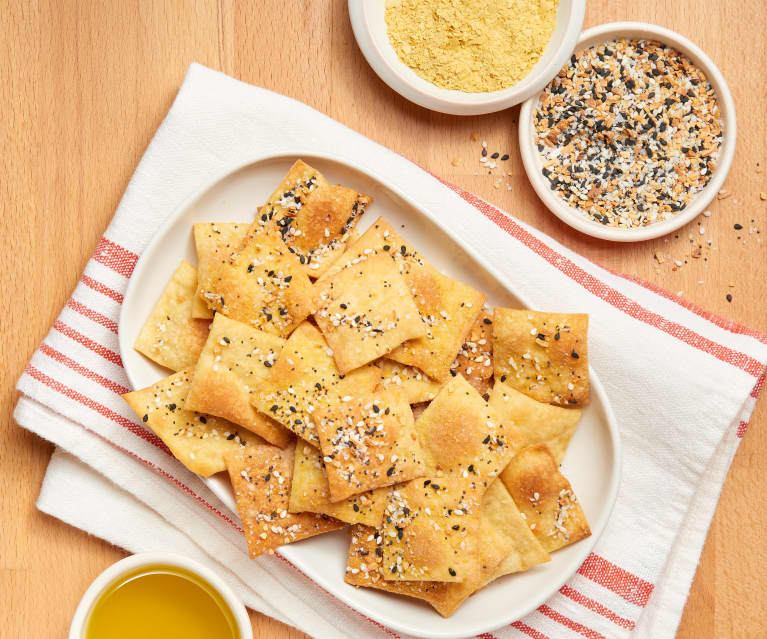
{"type": "Point", "coordinates": [682, 382]}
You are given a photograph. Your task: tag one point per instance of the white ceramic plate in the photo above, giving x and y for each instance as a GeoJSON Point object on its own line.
{"type": "Point", "coordinates": [369, 26]}
{"type": "Point", "coordinates": [532, 160]}
{"type": "Point", "coordinates": [593, 460]}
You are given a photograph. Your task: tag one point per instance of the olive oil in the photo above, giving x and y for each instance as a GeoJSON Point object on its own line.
{"type": "Point", "coordinates": [161, 602]}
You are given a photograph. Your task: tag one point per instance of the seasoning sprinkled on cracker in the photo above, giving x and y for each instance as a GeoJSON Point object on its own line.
{"type": "Point", "coordinates": [368, 441]}
{"type": "Point", "coordinates": [315, 219]}
{"type": "Point", "coordinates": [229, 372]}
{"type": "Point", "coordinates": [305, 378]}
{"type": "Point", "coordinates": [198, 441]}
{"type": "Point", "coordinates": [366, 310]}
{"type": "Point", "coordinates": [261, 477]}
{"type": "Point", "coordinates": [543, 355]}
{"type": "Point", "coordinates": [310, 492]}
{"type": "Point", "coordinates": [545, 498]}
{"type": "Point", "coordinates": [538, 423]}
{"type": "Point", "coordinates": [171, 336]}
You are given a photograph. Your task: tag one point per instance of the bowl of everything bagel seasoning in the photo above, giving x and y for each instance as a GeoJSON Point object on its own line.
{"type": "Point", "coordinates": [633, 137]}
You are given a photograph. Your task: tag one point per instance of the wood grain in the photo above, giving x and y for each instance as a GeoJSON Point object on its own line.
{"type": "Point", "coordinates": [83, 86]}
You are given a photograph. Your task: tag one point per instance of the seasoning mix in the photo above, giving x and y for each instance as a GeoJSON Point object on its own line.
{"type": "Point", "coordinates": [628, 132]}
{"type": "Point", "coordinates": [470, 45]}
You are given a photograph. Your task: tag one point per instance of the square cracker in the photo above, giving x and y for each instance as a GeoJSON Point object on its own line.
{"type": "Point", "coordinates": [262, 284]}
{"type": "Point", "coordinates": [315, 219]}
{"type": "Point", "coordinates": [366, 310]}
{"type": "Point", "coordinates": [232, 366]}
{"type": "Point", "coordinates": [460, 434]}
{"type": "Point", "coordinates": [368, 441]}
{"type": "Point", "coordinates": [216, 243]}
{"type": "Point", "coordinates": [545, 498]}
{"type": "Point", "coordinates": [171, 336]}
{"type": "Point", "coordinates": [415, 385]}
{"type": "Point", "coordinates": [447, 307]}
{"type": "Point", "coordinates": [430, 530]}
{"type": "Point", "coordinates": [543, 355]}
{"type": "Point", "coordinates": [538, 423]}
{"type": "Point", "coordinates": [475, 359]}
{"type": "Point", "coordinates": [304, 378]}
{"type": "Point", "coordinates": [198, 441]}
{"type": "Point", "coordinates": [310, 492]}
{"type": "Point", "coordinates": [261, 477]}
{"type": "Point", "coordinates": [506, 545]}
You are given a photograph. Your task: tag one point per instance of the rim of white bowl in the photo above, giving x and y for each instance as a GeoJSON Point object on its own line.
{"type": "Point", "coordinates": [110, 575]}
{"type": "Point", "coordinates": [575, 218]}
{"type": "Point", "coordinates": [400, 77]}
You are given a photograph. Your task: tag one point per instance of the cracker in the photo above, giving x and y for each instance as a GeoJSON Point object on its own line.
{"type": "Point", "coordinates": [545, 498]}
{"type": "Point", "coordinates": [460, 434]}
{"type": "Point", "coordinates": [506, 545]}
{"type": "Point", "coordinates": [415, 385]}
{"type": "Point", "coordinates": [171, 336]}
{"type": "Point", "coordinates": [368, 441]}
{"type": "Point", "coordinates": [430, 530]}
{"type": "Point", "coordinates": [315, 219]}
{"type": "Point", "coordinates": [216, 244]}
{"type": "Point", "coordinates": [261, 477]}
{"type": "Point", "coordinates": [538, 423]}
{"type": "Point", "coordinates": [543, 355]}
{"type": "Point", "coordinates": [200, 310]}
{"type": "Point", "coordinates": [232, 366]}
{"type": "Point", "coordinates": [304, 378]}
{"type": "Point", "coordinates": [447, 307]}
{"type": "Point", "coordinates": [262, 285]}
{"type": "Point", "coordinates": [310, 492]}
{"type": "Point", "coordinates": [365, 311]}
{"type": "Point", "coordinates": [475, 359]}
{"type": "Point", "coordinates": [198, 441]}
{"type": "Point", "coordinates": [364, 567]}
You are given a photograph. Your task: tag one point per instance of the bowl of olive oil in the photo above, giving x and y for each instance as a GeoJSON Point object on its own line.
{"type": "Point", "coordinates": [159, 596]}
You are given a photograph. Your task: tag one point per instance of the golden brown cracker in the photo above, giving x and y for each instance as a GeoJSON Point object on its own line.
{"type": "Point", "coordinates": [543, 355]}
{"type": "Point", "coordinates": [545, 498]}
{"type": "Point", "coordinates": [537, 422]}
{"type": "Point", "coordinates": [414, 384]}
{"type": "Point", "coordinates": [365, 311]}
{"type": "Point", "coordinates": [475, 359]}
{"type": "Point", "coordinates": [171, 336]}
{"type": "Point", "coordinates": [430, 530]}
{"type": "Point", "coordinates": [261, 478]}
{"type": "Point", "coordinates": [310, 492]}
{"type": "Point", "coordinates": [198, 441]}
{"type": "Point", "coordinates": [368, 441]}
{"type": "Point", "coordinates": [364, 567]}
{"type": "Point", "coordinates": [262, 284]}
{"type": "Point", "coordinates": [232, 367]}
{"type": "Point", "coordinates": [304, 378]}
{"type": "Point", "coordinates": [447, 307]}
{"type": "Point", "coordinates": [460, 434]}
{"type": "Point", "coordinates": [216, 243]}
{"type": "Point", "coordinates": [315, 219]}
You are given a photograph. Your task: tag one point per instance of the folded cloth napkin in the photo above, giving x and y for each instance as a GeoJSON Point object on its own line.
{"type": "Point", "coordinates": [682, 382]}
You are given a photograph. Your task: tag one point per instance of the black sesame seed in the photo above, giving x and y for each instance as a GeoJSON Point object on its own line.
{"type": "Point", "coordinates": [487, 320]}
{"type": "Point", "coordinates": [729, 297]}
{"type": "Point", "coordinates": [451, 571]}
{"type": "Point", "coordinates": [145, 418]}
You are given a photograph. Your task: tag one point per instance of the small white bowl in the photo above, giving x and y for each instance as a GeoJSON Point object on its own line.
{"type": "Point", "coordinates": [572, 216]}
{"type": "Point", "coordinates": [369, 25]}
{"type": "Point", "coordinates": [80, 621]}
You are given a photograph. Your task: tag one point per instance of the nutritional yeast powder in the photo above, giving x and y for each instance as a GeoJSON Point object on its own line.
{"type": "Point", "coordinates": [470, 45]}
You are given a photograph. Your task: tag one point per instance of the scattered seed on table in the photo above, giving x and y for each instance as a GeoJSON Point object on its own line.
{"type": "Point", "coordinates": [628, 132]}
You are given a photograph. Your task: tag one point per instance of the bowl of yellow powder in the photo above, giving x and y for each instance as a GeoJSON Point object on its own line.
{"type": "Point", "coordinates": [466, 57]}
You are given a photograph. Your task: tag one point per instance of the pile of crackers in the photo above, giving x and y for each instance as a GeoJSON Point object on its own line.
{"type": "Point", "coordinates": [341, 379]}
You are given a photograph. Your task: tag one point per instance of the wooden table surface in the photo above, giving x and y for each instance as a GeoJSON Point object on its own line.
{"type": "Point", "coordinates": [83, 86]}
